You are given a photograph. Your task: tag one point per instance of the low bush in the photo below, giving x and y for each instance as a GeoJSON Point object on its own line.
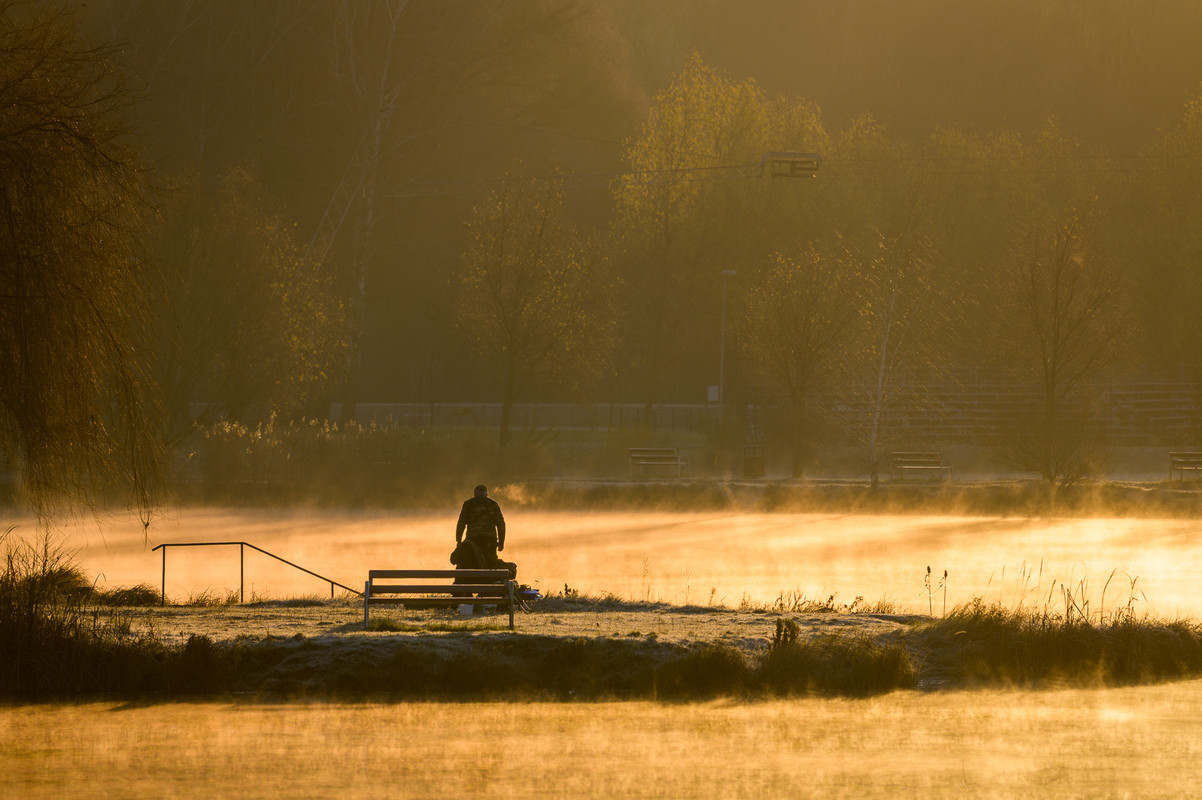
{"type": "Point", "coordinates": [140, 596]}
{"type": "Point", "coordinates": [712, 670]}
{"type": "Point", "coordinates": [836, 665]}
{"type": "Point", "coordinates": [981, 644]}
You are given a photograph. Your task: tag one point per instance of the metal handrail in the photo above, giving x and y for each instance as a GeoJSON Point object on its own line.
{"type": "Point", "coordinates": [242, 565]}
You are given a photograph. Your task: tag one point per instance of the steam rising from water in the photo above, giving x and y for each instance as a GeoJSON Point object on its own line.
{"type": "Point", "coordinates": [721, 558]}
{"type": "Point", "coordinates": [1134, 742]}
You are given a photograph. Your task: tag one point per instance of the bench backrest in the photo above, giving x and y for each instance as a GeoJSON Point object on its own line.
{"type": "Point", "coordinates": [482, 575]}
{"type": "Point", "coordinates": [916, 458]}
{"type": "Point", "coordinates": [653, 452]}
{"type": "Point", "coordinates": [1185, 457]}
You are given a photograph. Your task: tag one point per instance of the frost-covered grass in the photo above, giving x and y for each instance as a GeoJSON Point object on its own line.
{"type": "Point", "coordinates": [574, 647]}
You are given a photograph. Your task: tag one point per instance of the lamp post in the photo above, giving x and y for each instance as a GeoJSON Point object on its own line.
{"type": "Point", "coordinates": [726, 273]}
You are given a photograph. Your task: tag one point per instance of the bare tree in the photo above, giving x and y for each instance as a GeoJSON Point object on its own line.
{"type": "Point", "coordinates": [531, 299]}
{"type": "Point", "coordinates": [410, 72]}
{"type": "Point", "coordinates": [74, 401]}
{"type": "Point", "coordinates": [247, 324]}
{"type": "Point", "coordinates": [796, 318]}
{"type": "Point", "coordinates": [898, 306]}
{"type": "Point", "coordinates": [1066, 319]}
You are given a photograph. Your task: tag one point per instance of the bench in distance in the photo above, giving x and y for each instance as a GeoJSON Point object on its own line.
{"type": "Point", "coordinates": [924, 464]}
{"type": "Point", "coordinates": [642, 458]}
{"type": "Point", "coordinates": [1182, 461]}
{"type": "Point", "coordinates": [492, 587]}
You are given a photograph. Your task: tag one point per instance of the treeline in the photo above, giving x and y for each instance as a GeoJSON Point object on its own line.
{"type": "Point", "coordinates": [499, 202]}
{"type": "Point", "coordinates": [232, 210]}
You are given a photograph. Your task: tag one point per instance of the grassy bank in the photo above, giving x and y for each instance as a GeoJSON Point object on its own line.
{"type": "Point", "coordinates": [83, 651]}
{"type": "Point", "coordinates": [60, 638]}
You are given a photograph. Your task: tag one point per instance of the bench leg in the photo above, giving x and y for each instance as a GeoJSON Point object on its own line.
{"type": "Point", "coordinates": [366, 598]}
{"type": "Point", "coordinates": [509, 589]}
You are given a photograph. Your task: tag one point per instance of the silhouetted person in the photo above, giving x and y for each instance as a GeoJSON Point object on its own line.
{"type": "Point", "coordinates": [484, 525]}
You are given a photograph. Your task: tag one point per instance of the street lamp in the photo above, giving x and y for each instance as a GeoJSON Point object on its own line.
{"type": "Point", "coordinates": [726, 273]}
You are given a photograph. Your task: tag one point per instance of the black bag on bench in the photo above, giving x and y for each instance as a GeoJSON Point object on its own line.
{"type": "Point", "coordinates": [468, 556]}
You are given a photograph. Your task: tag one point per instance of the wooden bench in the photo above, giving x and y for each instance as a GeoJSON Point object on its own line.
{"type": "Point", "coordinates": [924, 464]}
{"type": "Point", "coordinates": [1182, 461]}
{"type": "Point", "coordinates": [657, 457]}
{"type": "Point", "coordinates": [481, 587]}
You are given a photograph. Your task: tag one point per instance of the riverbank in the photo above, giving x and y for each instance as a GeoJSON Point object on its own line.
{"type": "Point", "coordinates": [601, 649]}
{"type": "Point", "coordinates": [1012, 497]}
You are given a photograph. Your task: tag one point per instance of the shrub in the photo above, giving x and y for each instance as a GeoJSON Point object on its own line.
{"type": "Point", "coordinates": [139, 596]}
{"type": "Point", "coordinates": [709, 671]}
{"type": "Point", "coordinates": [835, 665]}
{"type": "Point", "coordinates": [980, 644]}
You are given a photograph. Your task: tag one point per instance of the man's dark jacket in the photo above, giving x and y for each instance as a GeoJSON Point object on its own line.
{"type": "Point", "coordinates": [481, 518]}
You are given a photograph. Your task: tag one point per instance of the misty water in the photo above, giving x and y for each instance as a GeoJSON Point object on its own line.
{"type": "Point", "coordinates": [1061, 743]}
{"type": "Point", "coordinates": [678, 558]}
{"type": "Point", "coordinates": [1127, 742]}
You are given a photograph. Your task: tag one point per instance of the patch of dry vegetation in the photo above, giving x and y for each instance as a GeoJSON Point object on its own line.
{"type": "Point", "coordinates": [988, 645]}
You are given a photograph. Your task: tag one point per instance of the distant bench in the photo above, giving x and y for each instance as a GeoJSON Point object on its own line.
{"type": "Point", "coordinates": [657, 458]}
{"type": "Point", "coordinates": [919, 464]}
{"type": "Point", "coordinates": [480, 587]}
{"type": "Point", "coordinates": [1182, 461]}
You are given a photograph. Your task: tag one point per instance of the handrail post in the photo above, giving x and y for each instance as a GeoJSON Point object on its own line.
{"type": "Point", "coordinates": [242, 571]}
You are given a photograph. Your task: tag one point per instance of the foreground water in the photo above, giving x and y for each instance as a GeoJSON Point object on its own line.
{"type": "Point", "coordinates": [712, 558]}
{"type": "Point", "coordinates": [1137, 742]}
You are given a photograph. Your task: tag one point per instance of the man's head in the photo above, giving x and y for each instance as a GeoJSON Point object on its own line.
{"type": "Point", "coordinates": [481, 491]}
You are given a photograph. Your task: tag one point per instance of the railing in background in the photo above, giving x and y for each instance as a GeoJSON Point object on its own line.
{"type": "Point", "coordinates": [242, 565]}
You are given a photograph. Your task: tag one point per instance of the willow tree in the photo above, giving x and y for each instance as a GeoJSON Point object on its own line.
{"type": "Point", "coordinates": [74, 403]}
{"type": "Point", "coordinates": [531, 299]}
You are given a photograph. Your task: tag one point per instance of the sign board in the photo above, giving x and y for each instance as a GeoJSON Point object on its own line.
{"type": "Point", "coordinates": [792, 165]}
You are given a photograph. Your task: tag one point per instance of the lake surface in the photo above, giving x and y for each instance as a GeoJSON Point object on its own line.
{"type": "Point", "coordinates": [1129, 742]}
{"type": "Point", "coordinates": [705, 558]}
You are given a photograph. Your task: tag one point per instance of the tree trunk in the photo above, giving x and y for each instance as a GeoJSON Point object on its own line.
{"type": "Point", "coordinates": [507, 399]}
{"type": "Point", "coordinates": [799, 432]}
